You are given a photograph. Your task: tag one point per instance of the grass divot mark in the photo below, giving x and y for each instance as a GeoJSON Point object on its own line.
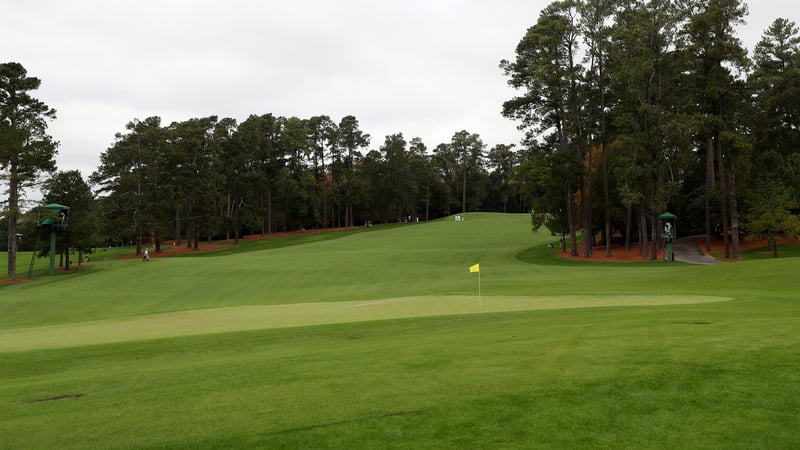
{"type": "Point", "coordinates": [356, 420]}
{"type": "Point", "coordinates": [56, 398]}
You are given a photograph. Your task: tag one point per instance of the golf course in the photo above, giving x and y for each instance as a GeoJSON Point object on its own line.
{"type": "Point", "coordinates": [383, 337]}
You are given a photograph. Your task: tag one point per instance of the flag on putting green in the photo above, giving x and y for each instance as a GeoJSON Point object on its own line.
{"type": "Point", "coordinates": [475, 268]}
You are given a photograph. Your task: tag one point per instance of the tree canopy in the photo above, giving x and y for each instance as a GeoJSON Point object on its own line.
{"type": "Point", "coordinates": [682, 118]}
{"type": "Point", "coordinates": [26, 150]}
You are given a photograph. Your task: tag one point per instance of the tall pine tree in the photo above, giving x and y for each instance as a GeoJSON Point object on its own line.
{"type": "Point", "coordinates": [26, 150]}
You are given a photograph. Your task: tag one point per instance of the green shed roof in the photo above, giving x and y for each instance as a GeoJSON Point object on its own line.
{"type": "Point", "coordinates": [667, 215]}
{"type": "Point", "coordinates": [56, 207]}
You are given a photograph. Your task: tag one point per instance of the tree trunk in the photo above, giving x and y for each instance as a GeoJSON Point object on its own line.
{"type": "Point", "coordinates": [464, 194]}
{"type": "Point", "coordinates": [350, 220]}
{"type": "Point", "coordinates": [13, 214]}
{"type": "Point", "coordinates": [628, 228]}
{"type": "Point", "coordinates": [263, 217]}
{"type": "Point", "coordinates": [138, 240]}
{"type": "Point", "coordinates": [655, 230]}
{"type": "Point", "coordinates": [654, 236]}
{"type": "Point", "coordinates": [573, 236]}
{"type": "Point", "coordinates": [643, 250]}
{"type": "Point", "coordinates": [177, 227]}
{"type": "Point", "coordinates": [737, 250]}
{"type": "Point", "coordinates": [606, 201]}
{"type": "Point", "coordinates": [347, 211]}
{"type": "Point", "coordinates": [228, 216]}
{"type": "Point", "coordinates": [709, 188]}
{"type": "Point", "coordinates": [269, 209]}
{"type": "Point", "coordinates": [325, 205]}
{"type": "Point", "coordinates": [157, 240]}
{"type": "Point", "coordinates": [324, 197]}
{"type": "Point", "coordinates": [427, 201]}
{"type": "Point", "coordinates": [190, 225]}
{"type": "Point", "coordinates": [348, 207]}
{"type": "Point", "coordinates": [236, 231]}
{"type": "Point", "coordinates": [586, 198]}
{"type": "Point", "coordinates": [723, 197]}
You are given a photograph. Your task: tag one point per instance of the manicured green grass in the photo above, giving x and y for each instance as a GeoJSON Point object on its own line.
{"type": "Point", "coordinates": [700, 377]}
{"type": "Point", "coordinates": [784, 251]}
{"type": "Point", "coordinates": [41, 265]}
{"type": "Point", "coordinates": [220, 320]}
{"type": "Point", "coordinates": [569, 355]}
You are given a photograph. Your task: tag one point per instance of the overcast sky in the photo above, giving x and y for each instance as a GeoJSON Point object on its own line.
{"type": "Point", "coordinates": [426, 68]}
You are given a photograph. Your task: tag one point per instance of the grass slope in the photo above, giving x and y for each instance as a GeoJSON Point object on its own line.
{"type": "Point", "coordinates": [420, 259]}
{"type": "Point", "coordinates": [611, 372]}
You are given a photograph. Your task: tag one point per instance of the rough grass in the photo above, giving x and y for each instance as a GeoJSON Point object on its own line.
{"type": "Point", "coordinates": [603, 374]}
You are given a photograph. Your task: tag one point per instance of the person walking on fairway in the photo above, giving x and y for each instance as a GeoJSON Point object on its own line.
{"type": "Point", "coordinates": [146, 256]}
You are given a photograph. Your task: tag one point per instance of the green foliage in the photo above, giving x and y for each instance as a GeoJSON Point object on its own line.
{"type": "Point", "coordinates": [459, 164]}
{"type": "Point", "coordinates": [69, 188]}
{"type": "Point", "coordinates": [210, 177]}
{"type": "Point", "coordinates": [26, 150]}
{"type": "Point", "coordinates": [771, 214]}
{"type": "Point", "coordinates": [394, 179]}
{"type": "Point", "coordinates": [25, 147]}
{"type": "Point", "coordinates": [666, 93]}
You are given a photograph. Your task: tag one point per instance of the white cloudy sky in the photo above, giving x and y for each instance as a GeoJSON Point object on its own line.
{"type": "Point", "coordinates": [426, 68]}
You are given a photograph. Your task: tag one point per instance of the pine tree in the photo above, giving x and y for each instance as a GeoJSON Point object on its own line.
{"type": "Point", "coordinates": [26, 150]}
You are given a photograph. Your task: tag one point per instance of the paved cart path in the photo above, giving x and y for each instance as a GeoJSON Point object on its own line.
{"type": "Point", "coordinates": [686, 250]}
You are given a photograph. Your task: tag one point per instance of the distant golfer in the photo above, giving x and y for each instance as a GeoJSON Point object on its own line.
{"type": "Point", "coordinates": [146, 256]}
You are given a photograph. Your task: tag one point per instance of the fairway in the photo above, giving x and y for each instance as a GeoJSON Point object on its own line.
{"type": "Point", "coordinates": [378, 338]}
{"type": "Point", "coordinates": [220, 320]}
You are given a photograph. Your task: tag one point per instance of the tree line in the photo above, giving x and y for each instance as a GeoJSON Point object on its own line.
{"type": "Point", "coordinates": [630, 109]}
{"type": "Point", "coordinates": [633, 108]}
{"type": "Point", "coordinates": [210, 177]}
{"type": "Point", "coordinates": [207, 177]}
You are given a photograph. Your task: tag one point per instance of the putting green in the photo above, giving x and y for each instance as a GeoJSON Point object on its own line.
{"type": "Point", "coordinates": [220, 320]}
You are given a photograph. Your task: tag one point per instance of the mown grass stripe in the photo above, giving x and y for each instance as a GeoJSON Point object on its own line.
{"type": "Point", "coordinates": [220, 320]}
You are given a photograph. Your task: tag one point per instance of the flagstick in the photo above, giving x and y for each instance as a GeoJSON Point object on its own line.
{"type": "Point", "coordinates": [477, 268]}
{"type": "Point", "coordinates": [480, 298]}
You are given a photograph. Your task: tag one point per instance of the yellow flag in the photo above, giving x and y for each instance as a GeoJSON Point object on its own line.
{"type": "Point", "coordinates": [475, 268]}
